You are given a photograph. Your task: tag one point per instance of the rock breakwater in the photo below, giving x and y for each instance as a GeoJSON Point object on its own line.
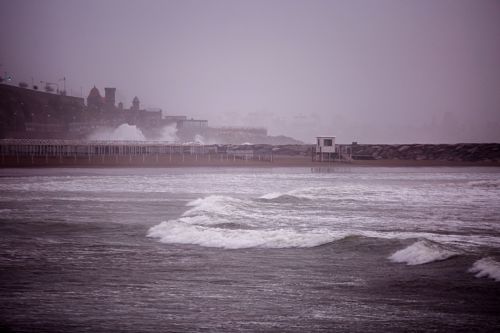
{"type": "Point", "coordinates": [466, 152]}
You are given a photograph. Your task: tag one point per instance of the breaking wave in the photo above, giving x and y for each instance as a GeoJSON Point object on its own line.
{"type": "Point", "coordinates": [215, 205]}
{"type": "Point", "coordinates": [291, 219]}
{"type": "Point", "coordinates": [302, 194]}
{"type": "Point", "coordinates": [283, 197]}
{"type": "Point", "coordinates": [486, 267]}
{"type": "Point", "coordinates": [423, 252]}
{"type": "Point", "coordinates": [175, 232]}
{"type": "Point", "coordinates": [232, 223]}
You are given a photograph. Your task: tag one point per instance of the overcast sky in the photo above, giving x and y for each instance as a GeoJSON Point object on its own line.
{"type": "Point", "coordinates": [367, 71]}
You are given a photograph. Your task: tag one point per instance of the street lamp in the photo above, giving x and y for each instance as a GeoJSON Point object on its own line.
{"type": "Point", "coordinates": [64, 84]}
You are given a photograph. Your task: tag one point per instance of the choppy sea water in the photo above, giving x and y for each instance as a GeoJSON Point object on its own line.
{"type": "Point", "coordinates": [246, 250]}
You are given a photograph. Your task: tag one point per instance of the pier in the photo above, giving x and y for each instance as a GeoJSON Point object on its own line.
{"type": "Point", "coordinates": [83, 153]}
{"type": "Point", "coordinates": [35, 152]}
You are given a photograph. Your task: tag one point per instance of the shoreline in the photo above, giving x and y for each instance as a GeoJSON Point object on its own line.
{"type": "Point", "coordinates": [190, 161]}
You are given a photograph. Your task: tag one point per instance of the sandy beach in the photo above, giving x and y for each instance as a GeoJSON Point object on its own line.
{"type": "Point", "coordinates": [216, 161]}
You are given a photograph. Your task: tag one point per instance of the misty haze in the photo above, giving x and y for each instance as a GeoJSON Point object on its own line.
{"type": "Point", "coordinates": [367, 71]}
{"type": "Point", "coordinates": [249, 166]}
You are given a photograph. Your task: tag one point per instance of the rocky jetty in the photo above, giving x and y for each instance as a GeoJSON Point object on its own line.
{"type": "Point", "coordinates": [462, 152]}
{"type": "Point", "coordinates": [465, 152]}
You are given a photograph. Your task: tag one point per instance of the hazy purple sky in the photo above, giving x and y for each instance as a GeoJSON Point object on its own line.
{"type": "Point", "coordinates": [371, 71]}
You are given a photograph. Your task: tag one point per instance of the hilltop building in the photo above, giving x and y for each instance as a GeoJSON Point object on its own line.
{"type": "Point", "coordinates": [27, 113]}
{"type": "Point", "coordinates": [33, 114]}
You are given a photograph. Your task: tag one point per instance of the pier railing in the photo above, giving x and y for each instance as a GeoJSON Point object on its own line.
{"type": "Point", "coordinates": [122, 150]}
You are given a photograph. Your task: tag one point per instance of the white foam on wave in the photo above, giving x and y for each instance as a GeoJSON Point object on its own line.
{"type": "Point", "coordinates": [213, 202]}
{"type": "Point", "coordinates": [456, 241]}
{"type": "Point", "coordinates": [218, 205]}
{"type": "Point", "coordinates": [232, 223]}
{"type": "Point", "coordinates": [175, 232]}
{"type": "Point", "coordinates": [422, 252]}
{"type": "Point", "coordinates": [486, 267]}
{"type": "Point", "coordinates": [255, 213]}
{"type": "Point", "coordinates": [304, 193]}
{"type": "Point", "coordinates": [258, 223]}
{"type": "Point", "coordinates": [271, 196]}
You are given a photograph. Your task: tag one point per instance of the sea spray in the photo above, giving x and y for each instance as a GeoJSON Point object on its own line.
{"type": "Point", "coordinates": [169, 133]}
{"type": "Point", "coordinates": [124, 132]}
{"type": "Point", "coordinates": [199, 139]}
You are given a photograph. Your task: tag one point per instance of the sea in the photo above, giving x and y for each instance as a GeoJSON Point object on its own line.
{"type": "Point", "coordinates": [334, 249]}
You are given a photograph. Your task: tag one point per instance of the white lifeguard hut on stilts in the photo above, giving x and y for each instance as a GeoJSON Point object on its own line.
{"type": "Point", "coordinates": [326, 149]}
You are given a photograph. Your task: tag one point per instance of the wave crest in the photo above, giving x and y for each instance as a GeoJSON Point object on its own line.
{"type": "Point", "coordinates": [214, 205]}
{"type": "Point", "coordinates": [175, 232]}
{"type": "Point", "coordinates": [283, 198]}
{"type": "Point", "coordinates": [422, 252]}
{"type": "Point", "coordinates": [493, 183]}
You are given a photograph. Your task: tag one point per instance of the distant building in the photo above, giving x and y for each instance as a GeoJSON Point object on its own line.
{"type": "Point", "coordinates": [135, 104]}
{"type": "Point", "coordinates": [109, 97]}
{"type": "Point", "coordinates": [94, 99]}
{"type": "Point", "coordinates": [174, 119]}
{"type": "Point", "coordinates": [192, 123]}
{"type": "Point", "coordinates": [33, 114]}
{"type": "Point", "coordinates": [27, 113]}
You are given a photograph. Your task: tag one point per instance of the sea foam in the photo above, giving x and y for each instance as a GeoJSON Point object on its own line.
{"type": "Point", "coordinates": [422, 252]}
{"type": "Point", "coordinates": [233, 223]}
{"type": "Point", "coordinates": [486, 267]}
{"type": "Point", "coordinates": [175, 232]}
{"type": "Point", "coordinates": [214, 204]}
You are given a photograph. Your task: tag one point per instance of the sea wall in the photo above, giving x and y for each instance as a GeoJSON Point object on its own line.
{"type": "Point", "coordinates": [461, 152]}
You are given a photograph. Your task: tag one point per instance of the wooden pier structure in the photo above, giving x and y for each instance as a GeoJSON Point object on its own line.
{"type": "Point", "coordinates": [32, 152]}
